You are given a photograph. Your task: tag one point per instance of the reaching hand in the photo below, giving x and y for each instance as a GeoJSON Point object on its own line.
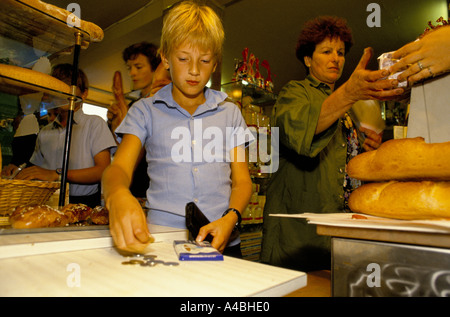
{"type": "Point", "coordinates": [424, 58]}
{"type": "Point", "coordinates": [365, 84]}
{"type": "Point", "coordinates": [128, 225]}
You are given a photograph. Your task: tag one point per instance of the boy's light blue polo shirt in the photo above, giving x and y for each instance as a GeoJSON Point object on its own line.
{"type": "Point", "coordinates": [187, 155]}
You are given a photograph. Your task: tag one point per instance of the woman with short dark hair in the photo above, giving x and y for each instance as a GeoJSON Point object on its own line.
{"type": "Point", "coordinates": [317, 139]}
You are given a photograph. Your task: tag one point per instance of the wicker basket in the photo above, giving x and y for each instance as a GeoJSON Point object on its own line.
{"type": "Point", "coordinates": [15, 193]}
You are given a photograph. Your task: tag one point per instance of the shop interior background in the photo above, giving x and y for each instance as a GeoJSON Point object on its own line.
{"type": "Point", "coordinates": [268, 28]}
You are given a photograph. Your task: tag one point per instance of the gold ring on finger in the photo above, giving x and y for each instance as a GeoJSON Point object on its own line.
{"type": "Point", "coordinates": [420, 65]}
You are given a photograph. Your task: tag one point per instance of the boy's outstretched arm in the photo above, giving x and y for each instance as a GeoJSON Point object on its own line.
{"type": "Point", "coordinates": [127, 220]}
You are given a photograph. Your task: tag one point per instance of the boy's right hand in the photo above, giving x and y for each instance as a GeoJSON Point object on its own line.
{"type": "Point", "coordinates": [128, 224]}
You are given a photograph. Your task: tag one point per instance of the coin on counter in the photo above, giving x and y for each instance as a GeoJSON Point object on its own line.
{"type": "Point", "coordinates": [133, 262]}
{"type": "Point", "coordinates": [171, 263]}
{"type": "Point", "coordinates": [150, 257]}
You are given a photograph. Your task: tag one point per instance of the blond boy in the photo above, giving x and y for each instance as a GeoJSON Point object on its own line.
{"type": "Point", "coordinates": [194, 140]}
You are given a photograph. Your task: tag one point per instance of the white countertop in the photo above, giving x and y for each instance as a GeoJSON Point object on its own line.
{"type": "Point", "coordinates": [85, 263]}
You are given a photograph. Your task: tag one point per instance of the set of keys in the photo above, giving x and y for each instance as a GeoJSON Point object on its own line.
{"type": "Point", "coordinates": [148, 260]}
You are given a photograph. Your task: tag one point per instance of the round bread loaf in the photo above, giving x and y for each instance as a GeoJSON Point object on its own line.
{"type": "Point", "coordinates": [403, 159]}
{"type": "Point", "coordinates": [99, 216]}
{"type": "Point", "coordinates": [403, 200]}
{"type": "Point", "coordinates": [76, 212]}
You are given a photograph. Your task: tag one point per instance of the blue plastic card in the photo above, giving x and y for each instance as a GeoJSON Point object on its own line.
{"type": "Point", "coordinates": [188, 250]}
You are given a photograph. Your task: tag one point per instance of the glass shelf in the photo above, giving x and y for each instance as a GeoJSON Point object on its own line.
{"type": "Point", "coordinates": [20, 88]}
{"type": "Point", "coordinates": [26, 34]}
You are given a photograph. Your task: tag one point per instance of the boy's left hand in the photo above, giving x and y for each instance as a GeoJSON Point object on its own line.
{"type": "Point", "coordinates": [220, 229]}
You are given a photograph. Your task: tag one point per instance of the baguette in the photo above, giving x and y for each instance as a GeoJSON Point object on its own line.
{"type": "Point", "coordinates": [95, 32]}
{"type": "Point", "coordinates": [403, 200]}
{"type": "Point", "coordinates": [403, 159]}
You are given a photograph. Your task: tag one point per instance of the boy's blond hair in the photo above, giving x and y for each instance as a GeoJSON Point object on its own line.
{"type": "Point", "coordinates": [195, 23]}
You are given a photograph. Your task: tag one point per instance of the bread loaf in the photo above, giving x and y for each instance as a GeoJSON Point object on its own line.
{"type": "Point", "coordinates": [99, 216]}
{"type": "Point", "coordinates": [76, 212]}
{"type": "Point", "coordinates": [24, 77]}
{"type": "Point", "coordinates": [403, 200]}
{"type": "Point", "coordinates": [37, 216]}
{"type": "Point", "coordinates": [403, 159]}
{"type": "Point", "coordinates": [42, 216]}
{"type": "Point", "coordinates": [95, 32]}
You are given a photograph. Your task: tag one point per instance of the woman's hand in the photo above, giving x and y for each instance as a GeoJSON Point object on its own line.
{"type": "Point", "coordinates": [424, 58]}
{"type": "Point", "coordinates": [366, 84]}
{"type": "Point", "coordinates": [363, 84]}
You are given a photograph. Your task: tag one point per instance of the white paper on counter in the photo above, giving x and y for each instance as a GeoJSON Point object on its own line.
{"type": "Point", "coordinates": [372, 222]}
{"type": "Point", "coordinates": [429, 113]}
